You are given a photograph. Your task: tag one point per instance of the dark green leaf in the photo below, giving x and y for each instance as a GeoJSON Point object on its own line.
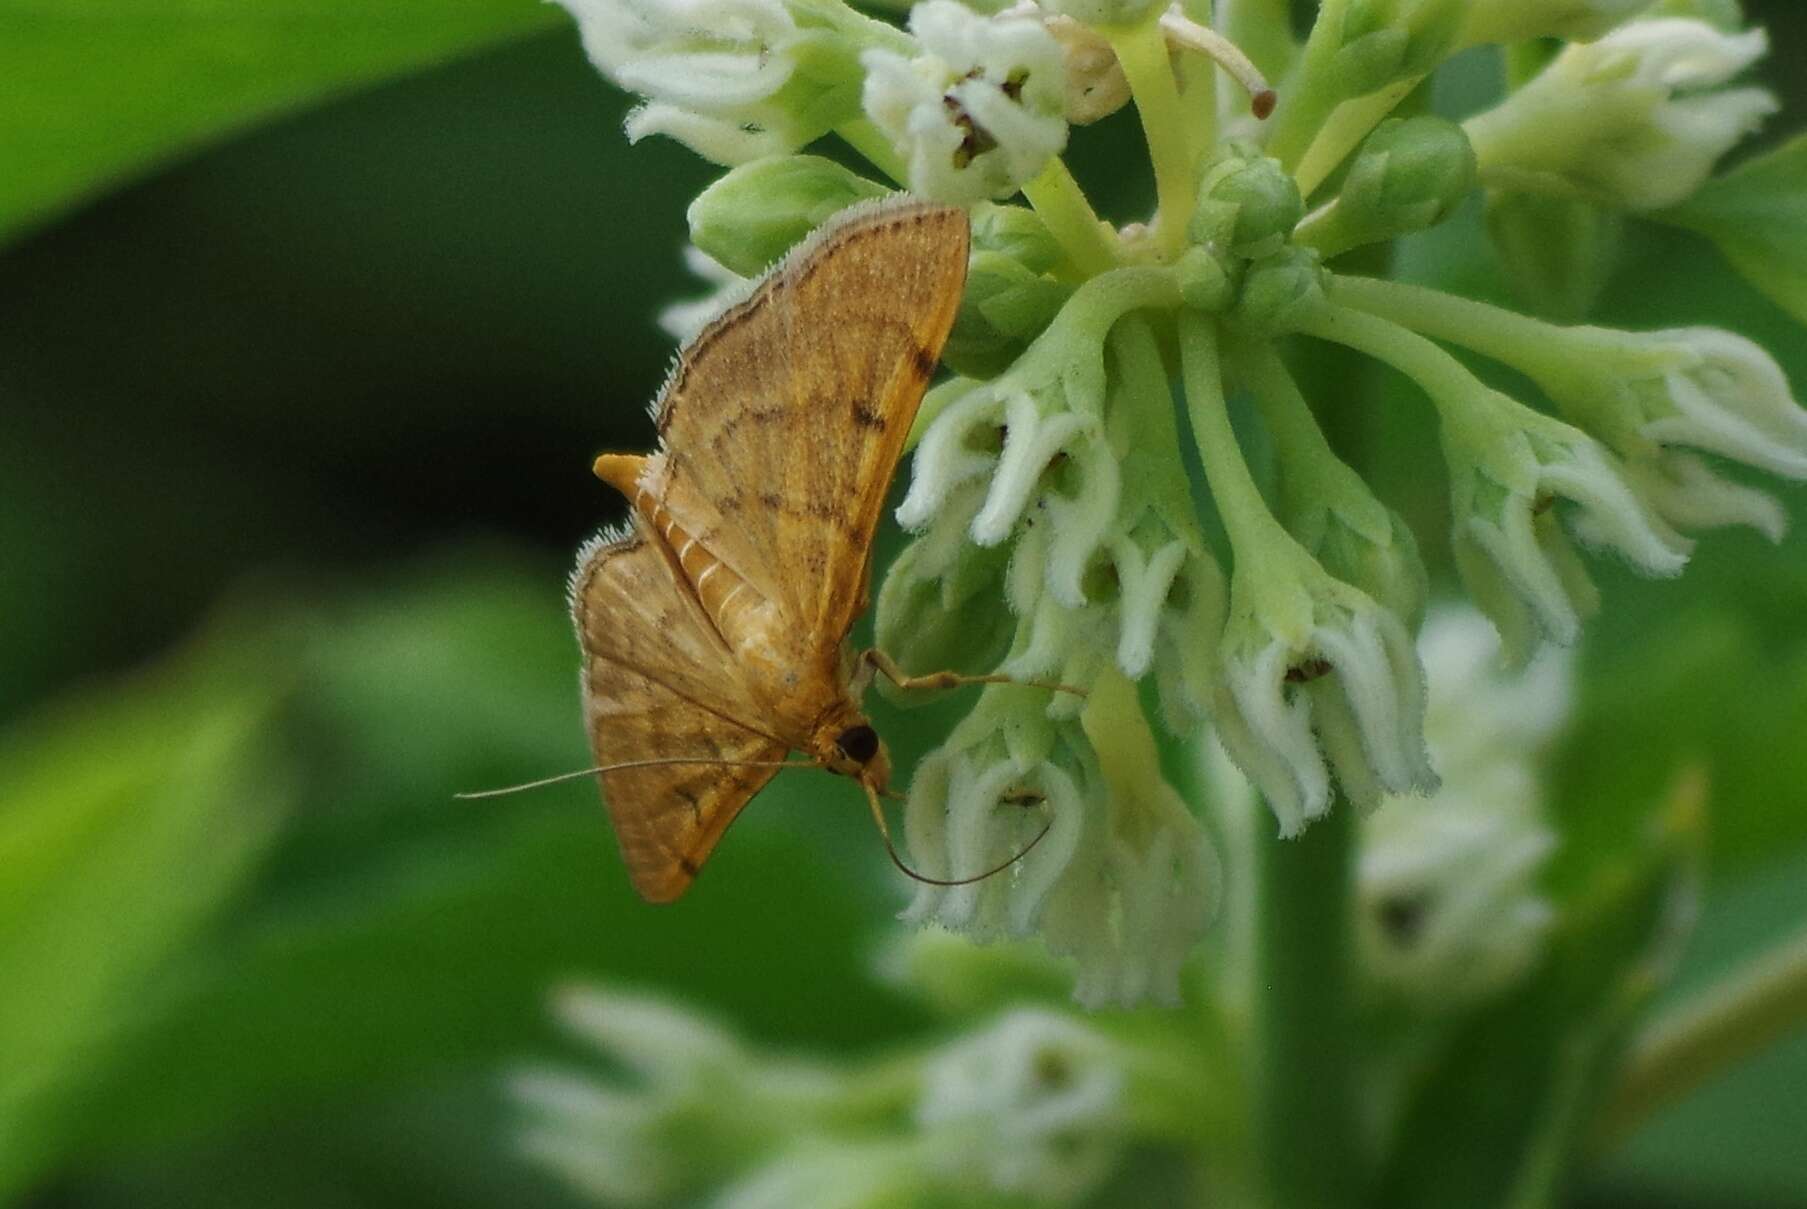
{"type": "Point", "coordinates": [1757, 215]}
{"type": "Point", "coordinates": [97, 92]}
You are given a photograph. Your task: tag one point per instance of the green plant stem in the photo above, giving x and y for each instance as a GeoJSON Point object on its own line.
{"type": "Point", "coordinates": [1142, 51]}
{"type": "Point", "coordinates": [1445, 379]}
{"type": "Point", "coordinates": [1057, 198]}
{"type": "Point", "coordinates": [1505, 336]}
{"type": "Point", "coordinates": [1251, 527]}
{"type": "Point", "coordinates": [1691, 1044]}
{"type": "Point", "coordinates": [1283, 405]}
{"type": "Point", "coordinates": [1304, 1023]}
{"type": "Point", "coordinates": [1344, 131]}
{"type": "Point", "coordinates": [1313, 90]}
{"type": "Point", "coordinates": [865, 138]}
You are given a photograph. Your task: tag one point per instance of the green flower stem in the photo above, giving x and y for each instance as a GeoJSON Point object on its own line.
{"type": "Point", "coordinates": [1142, 51]}
{"type": "Point", "coordinates": [1304, 1042]}
{"type": "Point", "coordinates": [1198, 89]}
{"type": "Point", "coordinates": [865, 138]}
{"type": "Point", "coordinates": [1344, 131]}
{"type": "Point", "coordinates": [1747, 1012]}
{"type": "Point", "coordinates": [1069, 217]}
{"type": "Point", "coordinates": [1289, 417]}
{"type": "Point", "coordinates": [1445, 379]}
{"type": "Point", "coordinates": [1538, 348]}
{"type": "Point", "coordinates": [1252, 528]}
{"type": "Point", "coordinates": [1082, 324]}
{"type": "Point", "coordinates": [1314, 90]}
{"type": "Point", "coordinates": [1145, 405]}
{"type": "Point", "coordinates": [1094, 309]}
{"type": "Point", "coordinates": [882, 1089]}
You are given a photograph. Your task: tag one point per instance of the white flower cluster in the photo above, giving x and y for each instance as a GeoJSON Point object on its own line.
{"type": "Point", "coordinates": [1033, 1106]}
{"type": "Point", "coordinates": [1636, 120]}
{"type": "Point", "coordinates": [1449, 909]}
{"type": "Point", "coordinates": [978, 109]}
{"type": "Point", "coordinates": [1061, 538]}
{"type": "Point", "coordinates": [1449, 905]}
{"type": "Point", "coordinates": [1124, 880]}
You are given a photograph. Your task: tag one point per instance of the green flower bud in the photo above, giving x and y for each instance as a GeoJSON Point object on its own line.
{"type": "Point", "coordinates": [1019, 233]}
{"type": "Point", "coordinates": [1276, 287]}
{"type": "Point", "coordinates": [1557, 253]}
{"type": "Point", "coordinates": [1206, 282]}
{"type": "Point", "coordinates": [1106, 13]}
{"type": "Point", "coordinates": [1409, 175]}
{"type": "Point", "coordinates": [1388, 40]}
{"type": "Point", "coordinates": [1247, 203]}
{"type": "Point", "coordinates": [753, 215]}
{"type": "Point", "coordinates": [1005, 308]}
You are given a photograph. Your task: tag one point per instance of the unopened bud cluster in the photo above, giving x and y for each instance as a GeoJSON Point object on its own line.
{"type": "Point", "coordinates": [1058, 534]}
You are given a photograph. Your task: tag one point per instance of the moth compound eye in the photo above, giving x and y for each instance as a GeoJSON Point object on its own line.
{"type": "Point", "coordinates": [858, 743]}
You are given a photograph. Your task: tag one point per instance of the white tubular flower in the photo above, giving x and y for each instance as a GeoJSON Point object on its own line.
{"type": "Point", "coordinates": [711, 70]}
{"type": "Point", "coordinates": [1702, 388]}
{"type": "Point", "coordinates": [1691, 495]}
{"type": "Point", "coordinates": [1508, 467]}
{"type": "Point", "coordinates": [1450, 909]}
{"type": "Point", "coordinates": [1636, 120]}
{"type": "Point", "coordinates": [1035, 1106]}
{"type": "Point", "coordinates": [979, 110]}
{"type": "Point", "coordinates": [1522, 20]}
{"type": "Point", "coordinates": [697, 1104]}
{"type": "Point", "coordinates": [1309, 659]}
{"type": "Point", "coordinates": [1124, 880]}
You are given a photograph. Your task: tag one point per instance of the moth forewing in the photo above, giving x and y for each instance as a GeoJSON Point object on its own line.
{"type": "Point", "coordinates": [722, 623]}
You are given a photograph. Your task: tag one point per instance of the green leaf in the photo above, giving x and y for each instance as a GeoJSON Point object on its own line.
{"type": "Point", "coordinates": [101, 90]}
{"type": "Point", "coordinates": [126, 819]}
{"type": "Point", "coordinates": [1757, 216]}
{"type": "Point", "coordinates": [399, 936]}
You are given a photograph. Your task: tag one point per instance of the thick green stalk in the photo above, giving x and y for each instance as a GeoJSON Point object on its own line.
{"type": "Point", "coordinates": [865, 138]}
{"type": "Point", "coordinates": [1062, 205]}
{"type": "Point", "coordinates": [1314, 90]}
{"type": "Point", "coordinates": [1146, 64]}
{"type": "Point", "coordinates": [1304, 1044]}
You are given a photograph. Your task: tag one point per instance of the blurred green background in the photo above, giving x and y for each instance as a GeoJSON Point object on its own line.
{"type": "Point", "coordinates": [310, 321]}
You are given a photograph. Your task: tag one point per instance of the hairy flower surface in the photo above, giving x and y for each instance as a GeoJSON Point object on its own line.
{"type": "Point", "coordinates": [979, 110]}
{"type": "Point", "coordinates": [1644, 112]}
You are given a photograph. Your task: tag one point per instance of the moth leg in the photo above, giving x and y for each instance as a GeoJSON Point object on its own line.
{"type": "Point", "coordinates": [887, 667]}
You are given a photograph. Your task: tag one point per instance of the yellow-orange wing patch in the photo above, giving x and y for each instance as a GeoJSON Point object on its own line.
{"type": "Point", "coordinates": [658, 685]}
{"type": "Point", "coordinates": [789, 413]}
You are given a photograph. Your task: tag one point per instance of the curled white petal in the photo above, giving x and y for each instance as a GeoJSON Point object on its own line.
{"type": "Point", "coordinates": [1032, 442]}
{"type": "Point", "coordinates": [945, 458]}
{"type": "Point", "coordinates": [1144, 584]}
{"type": "Point", "coordinates": [1730, 398]}
{"type": "Point", "coordinates": [1081, 522]}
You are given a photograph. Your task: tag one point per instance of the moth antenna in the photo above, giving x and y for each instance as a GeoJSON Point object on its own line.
{"type": "Point", "coordinates": [658, 763]}
{"type": "Point", "coordinates": [884, 831]}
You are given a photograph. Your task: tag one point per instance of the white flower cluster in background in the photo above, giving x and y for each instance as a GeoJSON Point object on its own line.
{"type": "Point", "coordinates": [1450, 909]}
{"type": "Point", "coordinates": [1032, 1106]}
